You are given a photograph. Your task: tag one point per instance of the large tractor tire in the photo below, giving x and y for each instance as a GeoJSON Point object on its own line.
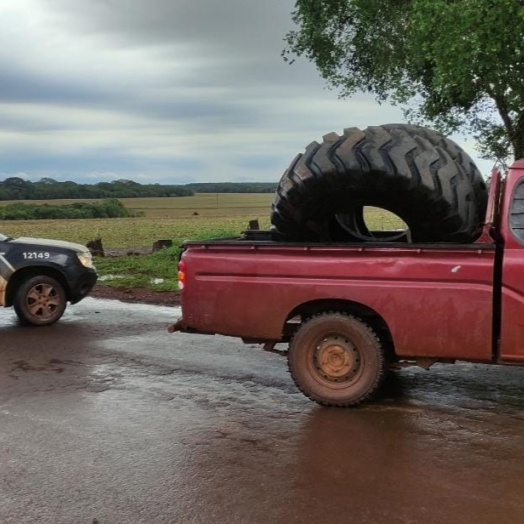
{"type": "Point", "coordinates": [353, 222]}
{"type": "Point", "coordinates": [458, 155]}
{"type": "Point", "coordinates": [416, 173]}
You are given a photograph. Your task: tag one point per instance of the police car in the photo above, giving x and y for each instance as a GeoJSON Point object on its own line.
{"type": "Point", "coordinates": [38, 277]}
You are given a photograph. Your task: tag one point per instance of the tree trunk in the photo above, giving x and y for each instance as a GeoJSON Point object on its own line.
{"type": "Point", "coordinates": [517, 143]}
{"type": "Point", "coordinates": [514, 130]}
{"type": "Point", "coordinates": [517, 138]}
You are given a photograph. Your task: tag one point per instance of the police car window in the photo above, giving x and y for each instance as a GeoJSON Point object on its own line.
{"type": "Point", "coordinates": [516, 217]}
{"type": "Point", "coordinates": [3, 237]}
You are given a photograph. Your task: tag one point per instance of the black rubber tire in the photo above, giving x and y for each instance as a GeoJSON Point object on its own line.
{"type": "Point", "coordinates": [336, 359]}
{"type": "Point", "coordinates": [393, 167]}
{"type": "Point", "coordinates": [458, 155]}
{"type": "Point", "coordinates": [353, 220]}
{"type": "Point", "coordinates": [26, 296]}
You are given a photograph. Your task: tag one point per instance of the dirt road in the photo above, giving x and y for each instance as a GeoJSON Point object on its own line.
{"type": "Point", "coordinates": [106, 418]}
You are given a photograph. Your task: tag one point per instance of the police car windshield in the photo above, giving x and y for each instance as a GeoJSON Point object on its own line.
{"type": "Point", "coordinates": [3, 237]}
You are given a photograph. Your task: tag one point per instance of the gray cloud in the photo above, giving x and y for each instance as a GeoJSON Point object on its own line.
{"type": "Point", "coordinates": [160, 90]}
{"type": "Point", "coordinates": [248, 27]}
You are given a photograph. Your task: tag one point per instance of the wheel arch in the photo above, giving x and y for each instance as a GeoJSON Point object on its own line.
{"type": "Point", "coordinates": [373, 318]}
{"type": "Point", "coordinates": [32, 271]}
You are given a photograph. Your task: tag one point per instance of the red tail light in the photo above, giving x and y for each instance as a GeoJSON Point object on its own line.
{"type": "Point", "coordinates": [181, 275]}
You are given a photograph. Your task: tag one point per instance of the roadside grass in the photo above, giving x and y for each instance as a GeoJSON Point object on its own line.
{"type": "Point", "coordinates": [157, 271]}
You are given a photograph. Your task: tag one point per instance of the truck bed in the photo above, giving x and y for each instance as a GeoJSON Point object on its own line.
{"type": "Point", "coordinates": [436, 300]}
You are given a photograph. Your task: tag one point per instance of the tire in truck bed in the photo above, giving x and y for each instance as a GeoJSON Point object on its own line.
{"type": "Point", "coordinates": [416, 173]}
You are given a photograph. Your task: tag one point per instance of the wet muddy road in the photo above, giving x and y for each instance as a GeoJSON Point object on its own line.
{"type": "Point", "coordinates": [106, 418]}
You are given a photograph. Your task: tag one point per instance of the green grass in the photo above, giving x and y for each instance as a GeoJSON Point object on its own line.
{"type": "Point", "coordinates": [144, 270]}
{"type": "Point", "coordinates": [141, 270]}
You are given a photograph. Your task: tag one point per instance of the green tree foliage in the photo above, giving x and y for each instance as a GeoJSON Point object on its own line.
{"type": "Point", "coordinates": [456, 63]}
{"type": "Point", "coordinates": [110, 208]}
{"type": "Point", "coordinates": [15, 188]}
{"type": "Point", "coordinates": [233, 187]}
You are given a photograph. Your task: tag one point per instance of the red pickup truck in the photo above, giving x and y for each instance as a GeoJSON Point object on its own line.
{"type": "Point", "coordinates": [348, 311]}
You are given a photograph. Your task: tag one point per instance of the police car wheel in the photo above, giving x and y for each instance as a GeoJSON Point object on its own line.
{"type": "Point", "coordinates": [40, 301]}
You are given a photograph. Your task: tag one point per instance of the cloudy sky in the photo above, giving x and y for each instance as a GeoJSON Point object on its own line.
{"type": "Point", "coordinates": [169, 91]}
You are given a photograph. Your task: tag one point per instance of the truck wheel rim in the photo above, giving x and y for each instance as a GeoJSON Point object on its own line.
{"type": "Point", "coordinates": [42, 301]}
{"type": "Point", "coordinates": [336, 359]}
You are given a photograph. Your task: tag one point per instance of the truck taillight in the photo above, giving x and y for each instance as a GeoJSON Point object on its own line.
{"type": "Point", "coordinates": [181, 275]}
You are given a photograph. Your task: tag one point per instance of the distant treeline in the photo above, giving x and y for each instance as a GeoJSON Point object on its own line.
{"type": "Point", "coordinates": [16, 188]}
{"type": "Point", "coordinates": [233, 187]}
{"type": "Point", "coordinates": [111, 208]}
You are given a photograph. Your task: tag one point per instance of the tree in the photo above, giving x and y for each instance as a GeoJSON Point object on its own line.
{"type": "Point", "coordinates": [458, 64]}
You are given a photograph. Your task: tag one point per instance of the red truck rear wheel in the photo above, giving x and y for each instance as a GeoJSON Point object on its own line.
{"type": "Point", "coordinates": [337, 360]}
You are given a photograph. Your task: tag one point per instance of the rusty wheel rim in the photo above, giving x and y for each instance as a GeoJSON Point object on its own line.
{"type": "Point", "coordinates": [336, 360]}
{"type": "Point", "coordinates": [43, 301]}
